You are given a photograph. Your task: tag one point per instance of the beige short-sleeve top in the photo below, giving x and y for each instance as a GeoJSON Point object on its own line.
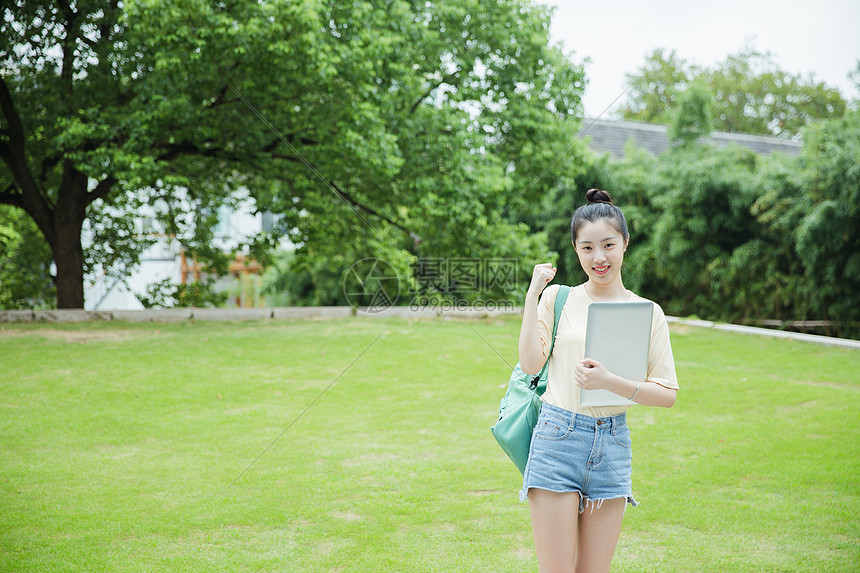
{"type": "Point", "coordinates": [569, 349]}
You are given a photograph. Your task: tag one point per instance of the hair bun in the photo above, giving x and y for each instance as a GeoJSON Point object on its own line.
{"type": "Point", "coordinates": [598, 196]}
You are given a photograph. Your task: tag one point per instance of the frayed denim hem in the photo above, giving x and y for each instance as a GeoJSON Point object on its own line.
{"type": "Point", "coordinates": [584, 502]}
{"type": "Point", "coordinates": [596, 503]}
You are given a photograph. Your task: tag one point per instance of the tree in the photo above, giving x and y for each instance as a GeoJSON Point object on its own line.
{"type": "Point", "coordinates": [854, 76]}
{"type": "Point", "coordinates": [25, 262]}
{"type": "Point", "coordinates": [827, 238]}
{"type": "Point", "coordinates": [654, 89]}
{"type": "Point", "coordinates": [802, 261]}
{"type": "Point", "coordinates": [763, 277]}
{"type": "Point", "coordinates": [751, 94]}
{"type": "Point", "coordinates": [705, 203]}
{"type": "Point", "coordinates": [383, 129]}
{"type": "Point", "coordinates": [692, 117]}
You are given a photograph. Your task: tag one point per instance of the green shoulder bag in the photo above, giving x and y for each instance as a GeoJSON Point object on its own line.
{"type": "Point", "coordinates": [518, 410]}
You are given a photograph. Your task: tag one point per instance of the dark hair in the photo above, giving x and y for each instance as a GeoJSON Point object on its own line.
{"type": "Point", "coordinates": [599, 207]}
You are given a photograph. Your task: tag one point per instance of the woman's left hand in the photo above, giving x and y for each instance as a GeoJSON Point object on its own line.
{"type": "Point", "coordinates": [591, 374]}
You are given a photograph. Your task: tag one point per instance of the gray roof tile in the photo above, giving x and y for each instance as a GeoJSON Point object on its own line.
{"type": "Point", "coordinates": [610, 136]}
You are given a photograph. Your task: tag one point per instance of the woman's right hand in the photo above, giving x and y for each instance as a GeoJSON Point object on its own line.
{"type": "Point", "coordinates": [542, 274]}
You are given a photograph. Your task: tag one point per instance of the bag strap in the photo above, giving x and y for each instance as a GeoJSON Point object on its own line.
{"type": "Point", "coordinates": [560, 299]}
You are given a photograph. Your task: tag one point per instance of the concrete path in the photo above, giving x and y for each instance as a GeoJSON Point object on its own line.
{"type": "Point", "coordinates": [739, 329]}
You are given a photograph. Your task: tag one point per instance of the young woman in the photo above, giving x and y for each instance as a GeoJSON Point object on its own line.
{"type": "Point", "coordinates": [577, 479]}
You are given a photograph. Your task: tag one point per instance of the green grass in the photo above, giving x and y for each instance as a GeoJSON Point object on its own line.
{"type": "Point", "coordinates": [121, 445]}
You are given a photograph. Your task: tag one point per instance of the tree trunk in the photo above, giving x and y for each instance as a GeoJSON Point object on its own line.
{"type": "Point", "coordinates": [69, 258]}
{"type": "Point", "coordinates": [67, 249]}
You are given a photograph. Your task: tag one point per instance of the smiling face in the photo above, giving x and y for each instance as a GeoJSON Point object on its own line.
{"type": "Point", "coordinates": [600, 248]}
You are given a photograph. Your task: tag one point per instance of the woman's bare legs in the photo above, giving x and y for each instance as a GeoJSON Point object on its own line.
{"type": "Point", "coordinates": [559, 530]}
{"type": "Point", "coordinates": [554, 523]}
{"type": "Point", "coordinates": [598, 535]}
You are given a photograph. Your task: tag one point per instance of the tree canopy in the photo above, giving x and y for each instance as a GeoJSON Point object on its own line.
{"type": "Point", "coordinates": [395, 129]}
{"type": "Point", "coordinates": [751, 93]}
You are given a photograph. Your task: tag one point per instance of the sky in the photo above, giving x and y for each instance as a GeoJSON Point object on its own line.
{"type": "Point", "coordinates": [821, 37]}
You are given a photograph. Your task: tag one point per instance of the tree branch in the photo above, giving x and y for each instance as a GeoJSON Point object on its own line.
{"type": "Point", "coordinates": [94, 44]}
{"type": "Point", "coordinates": [432, 87]}
{"type": "Point", "coordinates": [424, 96]}
{"type": "Point", "coordinates": [47, 164]}
{"type": "Point", "coordinates": [188, 148]}
{"type": "Point", "coordinates": [348, 198]}
{"type": "Point", "coordinates": [290, 139]}
{"type": "Point", "coordinates": [68, 44]}
{"type": "Point", "coordinates": [272, 146]}
{"type": "Point", "coordinates": [102, 190]}
{"type": "Point", "coordinates": [8, 197]}
{"type": "Point", "coordinates": [219, 99]}
{"type": "Point", "coordinates": [108, 21]}
{"type": "Point", "coordinates": [15, 156]}
{"type": "Point", "coordinates": [16, 128]}
{"type": "Point", "coordinates": [287, 158]}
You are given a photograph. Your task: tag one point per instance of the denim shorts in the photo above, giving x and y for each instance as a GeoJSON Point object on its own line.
{"type": "Point", "coordinates": [572, 452]}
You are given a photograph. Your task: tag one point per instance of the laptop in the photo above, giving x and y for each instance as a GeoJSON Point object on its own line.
{"type": "Point", "coordinates": [618, 335]}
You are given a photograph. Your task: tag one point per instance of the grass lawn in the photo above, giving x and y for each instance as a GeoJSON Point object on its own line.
{"type": "Point", "coordinates": [172, 447]}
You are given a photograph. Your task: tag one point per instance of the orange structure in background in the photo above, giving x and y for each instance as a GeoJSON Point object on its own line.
{"type": "Point", "coordinates": [242, 268]}
{"type": "Point", "coordinates": [185, 268]}
{"type": "Point", "coordinates": [243, 264]}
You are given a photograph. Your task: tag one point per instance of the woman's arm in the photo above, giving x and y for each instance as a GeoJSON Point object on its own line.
{"type": "Point", "coordinates": [592, 375]}
{"type": "Point", "coordinates": [530, 347]}
{"type": "Point", "coordinates": [531, 351]}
